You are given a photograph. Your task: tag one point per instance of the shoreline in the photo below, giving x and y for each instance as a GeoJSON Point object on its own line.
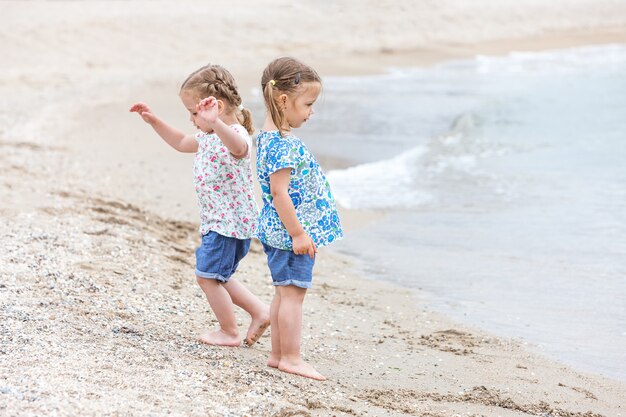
{"type": "Point", "coordinates": [376, 62]}
{"type": "Point", "coordinates": [146, 147]}
{"type": "Point", "coordinates": [98, 224]}
{"type": "Point", "coordinates": [358, 64]}
{"type": "Point", "coordinates": [590, 358]}
{"type": "Point", "coordinates": [113, 294]}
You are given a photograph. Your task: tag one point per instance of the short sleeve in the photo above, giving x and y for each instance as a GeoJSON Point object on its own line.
{"type": "Point", "coordinates": [243, 133]}
{"type": "Point", "coordinates": [282, 154]}
{"type": "Point", "coordinates": [200, 136]}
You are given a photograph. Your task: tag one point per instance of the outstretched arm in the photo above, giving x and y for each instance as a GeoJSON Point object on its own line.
{"type": "Point", "coordinates": [279, 187]}
{"type": "Point", "coordinates": [174, 137]}
{"type": "Point", "coordinates": [208, 111]}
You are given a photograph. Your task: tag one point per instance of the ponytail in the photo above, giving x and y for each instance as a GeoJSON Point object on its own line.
{"type": "Point", "coordinates": [246, 120]}
{"type": "Point", "coordinates": [275, 112]}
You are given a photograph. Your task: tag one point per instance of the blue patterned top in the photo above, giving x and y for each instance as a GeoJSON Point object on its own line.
{"type": "Point", "coordinates": [309, 191]}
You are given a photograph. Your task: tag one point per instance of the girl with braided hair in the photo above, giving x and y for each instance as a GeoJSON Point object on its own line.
{"type": "Point", "coordinates": [224, 187]}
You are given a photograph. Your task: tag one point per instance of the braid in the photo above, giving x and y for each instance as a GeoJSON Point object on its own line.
{"type": "Point", "coordinates": [216, 81]}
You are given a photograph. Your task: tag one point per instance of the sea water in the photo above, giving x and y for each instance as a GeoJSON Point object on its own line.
{"type": "Point", "coordinates": [501, 187]}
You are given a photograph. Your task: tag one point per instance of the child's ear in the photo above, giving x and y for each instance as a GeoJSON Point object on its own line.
{"type": "Point", "coordinates": [282, 100]}
{"type": "Point", "coordinates": [220, 106]}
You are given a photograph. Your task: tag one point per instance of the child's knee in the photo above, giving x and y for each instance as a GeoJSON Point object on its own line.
{"type": "Point", "coordinates": [292, 292]}
{"type": "Point", "coordinates": [205, 282]}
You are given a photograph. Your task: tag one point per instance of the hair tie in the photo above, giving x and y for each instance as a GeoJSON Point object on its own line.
{"type": "Point", "coordinates": [273, 82]}
{"type": "Point", "coordinates": [240, 107]}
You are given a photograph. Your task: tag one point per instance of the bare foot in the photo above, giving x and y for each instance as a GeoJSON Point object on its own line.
{"type": "Point", "coordinates": [256, 330]}
{"type": "Point", "coordinates": [219, 338]}
{"type": "Point", "coordinates": [300, 368]}
{"type": "Point", "coordinates": [273, 361]}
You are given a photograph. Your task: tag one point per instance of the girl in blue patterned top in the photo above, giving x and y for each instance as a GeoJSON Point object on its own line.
{"type": "Point", "coordinates": [299, 213]}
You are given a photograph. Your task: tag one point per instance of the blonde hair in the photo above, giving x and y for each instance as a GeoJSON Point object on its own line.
{"type": "Point", "coordinates": [284, 76]}
{"type": "Point", "coordinates": [216, 81]}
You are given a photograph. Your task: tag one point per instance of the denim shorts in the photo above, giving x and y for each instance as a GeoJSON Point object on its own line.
{"type": "Point", "coordinates": [287, 268]}
{"type": "Point", "coordinates": [218, 256]}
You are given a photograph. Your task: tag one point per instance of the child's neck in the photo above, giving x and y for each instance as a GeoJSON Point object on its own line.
{"type": "Point", "coordinates": [229, 119]}
{"type": "Point", "coordinates": [269, 125]}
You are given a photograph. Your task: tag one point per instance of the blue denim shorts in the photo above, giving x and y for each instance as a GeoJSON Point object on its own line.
{"type": "Point", "coordinates": [287, 268]}
{"type": "Point", "coordinates": [218, 256]}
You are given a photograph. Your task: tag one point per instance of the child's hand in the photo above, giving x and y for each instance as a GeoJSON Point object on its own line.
{"type": "Point", "coordinates": [144, 111]}
{"type": "Point", "coordinates": [207, 110]}
{"type": "Point", "coordinates": [303, 244]}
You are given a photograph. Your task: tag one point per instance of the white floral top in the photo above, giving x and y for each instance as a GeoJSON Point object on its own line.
{"type": "Point", "coordinates": [224, 187]}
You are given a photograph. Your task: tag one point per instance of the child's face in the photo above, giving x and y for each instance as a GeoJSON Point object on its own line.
{"type": "Point", "coordinates": [299, 106]}
{"type": "Point", "coordinates": [190, 101]}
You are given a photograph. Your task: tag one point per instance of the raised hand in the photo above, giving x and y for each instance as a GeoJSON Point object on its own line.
{"type": "Point", "coordinates": [144, 111]}
{"type": "Point", "coordinates": [208, 110]}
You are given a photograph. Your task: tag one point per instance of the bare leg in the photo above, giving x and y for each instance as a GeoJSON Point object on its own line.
{"type": "Point", "coordinates": [222, 306]}
{"type": "Point", "coordinates": [290, 326]}
{"type": "Point", "coordinates": [274, 358]}
{"type": "Point", "coordinates": [259, 311]}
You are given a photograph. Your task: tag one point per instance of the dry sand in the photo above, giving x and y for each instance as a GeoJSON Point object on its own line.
{"type": "Point", "coordinates": [98, 221]}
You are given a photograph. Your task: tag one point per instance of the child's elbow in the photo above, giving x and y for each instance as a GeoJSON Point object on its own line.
{"type": "Point", "coordinates": [240, 152]}
{"type": "Point", "coordinates": [277, 194]}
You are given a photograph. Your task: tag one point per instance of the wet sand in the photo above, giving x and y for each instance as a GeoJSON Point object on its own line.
{"type": "Point", "coordinates": [100, 309]}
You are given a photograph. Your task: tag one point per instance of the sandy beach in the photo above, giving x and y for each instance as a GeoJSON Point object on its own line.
{"type": "Point", "coordinates": [100, 309]}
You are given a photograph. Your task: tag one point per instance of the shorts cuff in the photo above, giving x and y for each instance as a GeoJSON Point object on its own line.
{"type": "Point", "coordinates": [212, 275]}
{"type": "Point", "coordinates": [300, 284]}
